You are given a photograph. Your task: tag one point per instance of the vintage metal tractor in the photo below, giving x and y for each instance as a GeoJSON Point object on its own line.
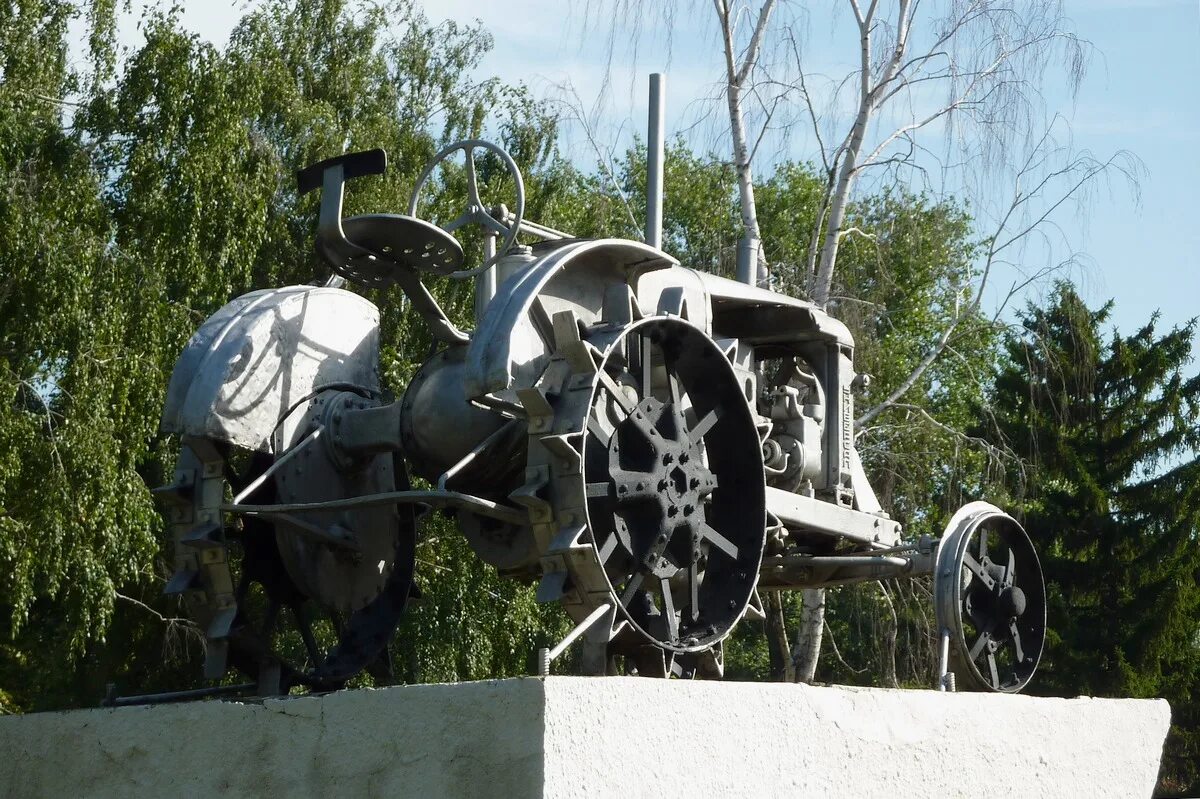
{"type": "Point", "coordinates": [650, 443]}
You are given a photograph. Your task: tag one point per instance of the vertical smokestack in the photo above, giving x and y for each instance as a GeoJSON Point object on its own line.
{"type": "Point", "coordinates": [747, 261]}
{"type": "Point", "coordinates": [654, 161]}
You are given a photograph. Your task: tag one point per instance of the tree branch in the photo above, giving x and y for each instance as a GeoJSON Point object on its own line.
{"type": "Point", "coordinates": [755, 46]}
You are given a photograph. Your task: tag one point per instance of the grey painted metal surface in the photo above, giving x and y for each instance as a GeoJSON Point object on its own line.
{"type": "Point", "coordinates": [648, 443]}
{"type": "Point", "coordinates": [747, 260]}
{"type": "Point", "coordinates": [254, 359]}
{"type": "Point", "coordinates": [655, 134]}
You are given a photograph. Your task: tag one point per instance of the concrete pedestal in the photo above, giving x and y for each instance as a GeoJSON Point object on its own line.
{"type": "Point", "coordinates": [568, 737]}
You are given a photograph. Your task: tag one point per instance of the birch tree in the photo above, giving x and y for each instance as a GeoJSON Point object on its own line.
{"type": "Point", "coordinates": [989, 127]}
{"type": "Point", "coordinates": [739, 69]}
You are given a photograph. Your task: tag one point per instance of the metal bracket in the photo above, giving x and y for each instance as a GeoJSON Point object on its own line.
{"type": "Point", "coordinates": [945, 681]}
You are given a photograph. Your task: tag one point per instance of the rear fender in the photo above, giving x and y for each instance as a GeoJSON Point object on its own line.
{"type": "Point", "coordinates": [265, 352]}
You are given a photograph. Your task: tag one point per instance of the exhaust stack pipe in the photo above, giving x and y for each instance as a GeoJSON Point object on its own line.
{"type": "Point", "coordinates": [654, 162]}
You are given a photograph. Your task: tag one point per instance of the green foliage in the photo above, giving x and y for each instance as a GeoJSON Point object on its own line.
{"type": "Point", "coordinates": [75, 520]}
{"type": "Point", "coordinates": [139, 197]}
{"type": "Point", "coordinates": [470, 624]}
{"type": "Point", "coordinates": [1110, 432]}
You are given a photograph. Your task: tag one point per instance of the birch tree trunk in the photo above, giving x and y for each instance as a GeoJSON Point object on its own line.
{"type": "Point", "coordinates": [782, 668]}
{"type": "Point", "coordinates": [736, 76]}
{"type": "Point", "coordinates": [808, 634]}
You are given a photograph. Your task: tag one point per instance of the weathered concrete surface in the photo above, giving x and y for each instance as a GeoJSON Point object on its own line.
{"type": "Point", "coordinates": [566, 737]}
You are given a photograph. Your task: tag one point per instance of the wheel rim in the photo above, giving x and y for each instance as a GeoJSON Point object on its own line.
{"type": "Point", "coordinates": [675, 487]}
{"type": "Point", "coordinates": [991, 599]}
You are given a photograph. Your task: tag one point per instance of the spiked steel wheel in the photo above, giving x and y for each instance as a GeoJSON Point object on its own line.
{"type": "Point", "coordinates": [990, 596]}
{"type": "Point", "coordinates": [668, 473]}
{"type": "Point", "coordinates": [342, 579]}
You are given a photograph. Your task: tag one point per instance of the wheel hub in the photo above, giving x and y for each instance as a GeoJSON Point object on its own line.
{"type": "Point", "coordinates": [652, 460]}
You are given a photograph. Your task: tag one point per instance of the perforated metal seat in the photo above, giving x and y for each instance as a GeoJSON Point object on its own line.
{"type": "Point", "coordinates": [369, 248]}
{"type": "Point", "coordinates": [407, 241]}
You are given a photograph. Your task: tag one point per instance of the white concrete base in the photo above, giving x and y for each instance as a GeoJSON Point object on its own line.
{"type": "Point", "coordinates": [567, 737]}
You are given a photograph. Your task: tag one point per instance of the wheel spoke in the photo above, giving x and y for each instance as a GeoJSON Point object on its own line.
{"type": "Point", "coordinates": [243, 588]}
{"type": "Point", "coordinates": [694, 589]}
{"type": "Point", "coordinates": [472, 180]}
{"type": "Point", "coordinates": [977, 569]}
{"type": "Point", "coordinates": [609, 547]}
{"type": "Point", "coordinates": [462, 219]}
{"type": "Point", "coordinates": [647, 367]}
{"type": "Point", "coordinates": [983, 549]}
{"type": "Point", "coordinates": [269, 622]}
{"type": "Point", "coordinates": [596, 428]}
{"type": "Point", "coordinates": [719, 541]}
{"type": "Point", "coordinates": [631, 587]}
{"type": "Point", "coordinates": [306, 635]}
{"type": "Point", "coordinates": [617, 394]}
{"type": "Point", "coordinates": [1012, 568]}
{"type": "Point", "coordinates": [1016, 640]}
{"type": "Point", "coordinates": [980, 643]}
{"type": "Point", "coordinates": [995, 673]}
{"type": "Point", "coordinates": [668, 609]}
{"type": "Point", "coordinates": [595, 490]}
{"type": "Point", "coordinates": [676, 403]}
{"type": "Point", "coordinates": [632, 485]}
{"type": "Point", "coordinates": [703, 426]}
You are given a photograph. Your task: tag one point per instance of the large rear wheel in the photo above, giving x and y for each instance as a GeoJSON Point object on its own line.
{"type": "Point", "coordinates": [291, 599]}
{"type": "Point", "coordinates": [656, 487]}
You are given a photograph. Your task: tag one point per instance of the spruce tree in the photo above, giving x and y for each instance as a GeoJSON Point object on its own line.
{"type": "Point", "coordinates": [1110, 430]}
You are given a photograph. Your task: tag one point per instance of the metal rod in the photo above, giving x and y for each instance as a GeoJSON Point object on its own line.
{"type": "Point", "coordinates": [484, 507]}
{"type": "Point", "coordinates": [945, 676]}
{"type": "Point", "coordinates": [548, 655]}
{"type": "Point", "coordinates": [449, 474]}
{"type": "Point", "coordinates": [336, 535]}
{"type": "Point", "coordinates": [906, 546]}
{"type": "Point", "coordinates": [654, 161]}
{"type": "Point", "coordinates": [547, 233]}
{"type": "Point", "coordinates": [112, 700]}
{"type": "Point", "coordinates": [485, 281]}
{"type": "Point", "coordinates": [277, 465]}
{"type": "Point", "coordinates": [747, 260]}
{"type": "Point", "coordinates": [835, 560]}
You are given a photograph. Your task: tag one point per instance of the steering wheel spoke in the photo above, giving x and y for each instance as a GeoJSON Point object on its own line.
{"type": "Point", "coordinates": [491, 223]}
{"type": "Point", "coordinates": [472, 178]}
{"type": "Point", "coordinates": [465, 218]}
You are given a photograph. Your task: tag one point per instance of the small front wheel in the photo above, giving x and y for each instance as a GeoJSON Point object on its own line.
{"type": "Point", "coordinates": [991, 600]}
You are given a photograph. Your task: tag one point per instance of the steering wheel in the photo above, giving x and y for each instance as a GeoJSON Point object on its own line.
{"type": "Point", "coordinates": [475, 211]}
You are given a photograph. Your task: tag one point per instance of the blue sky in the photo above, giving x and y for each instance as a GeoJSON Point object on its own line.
{"type": "Point", "coordinates": [1141, 94]}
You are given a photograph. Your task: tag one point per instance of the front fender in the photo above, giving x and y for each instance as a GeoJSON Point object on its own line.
{"type": "Point", "coordinates": [264, 352]}
{"type": "Point", "coordinates": [511, 348]}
